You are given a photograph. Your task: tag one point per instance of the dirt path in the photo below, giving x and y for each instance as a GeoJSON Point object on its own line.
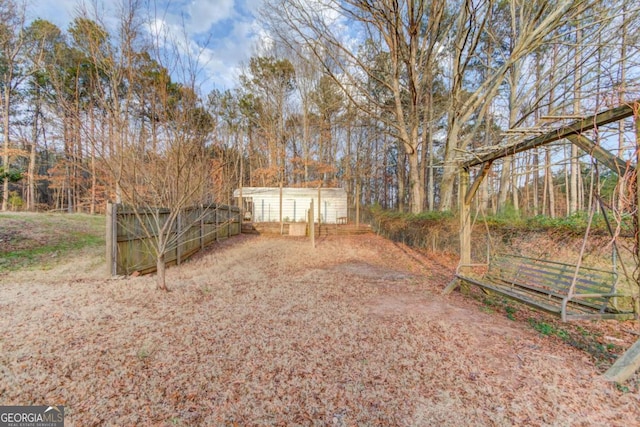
{"type": "Point", "coordinates": [268, 331]}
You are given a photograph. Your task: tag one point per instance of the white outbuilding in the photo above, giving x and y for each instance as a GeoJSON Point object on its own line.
{"type": "Point", "coordinates": [262, 204]}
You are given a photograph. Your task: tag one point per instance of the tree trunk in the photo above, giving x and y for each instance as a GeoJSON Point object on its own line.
{"type": "Point", "coordinates": [567, 185]}
{"type": "Point", "coordinates": [92, 207]}
{"type": "Point", "coordinates": [5, 152]}
{"type": "Point", "coordinates": [573, 181]}
{"type": "Point", "coordinates": [621, 98]}
{"type": "Point", "coordinates": [574, 196]}
{"type": "Point", "coordinates": [536, 184]}
{"type": "Point", "coordinates": [450, 167]}
{"type": "Point", "coordinates": [401, 176]}
{"type": "Point", "coordinates": [31, 171]}
{"type": "Point", "coordinates": [415, 183]}
{"type": "Point", "coordinates": [505, 181]}
{"type": "Point", "coordinates": [161, 283]}
{"type": "Point", "coordinates": [427, 152]}
{"type": "Point", "coordinates": [514, 185]}
{"type": "Point", "coordinates": [31, 177]}
{"type": "Point", "coordinates": [551, 190]}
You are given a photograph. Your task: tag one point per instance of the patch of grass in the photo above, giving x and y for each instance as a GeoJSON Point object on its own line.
{"type": "Point", "coordinates": [30, 240]}
{"type": "Point", "coordinates": [486, 309]}
{"type": "Point", "coordinates": [574, 225]}
{"type": "Point", "coordinates": [489, 302]}
{"type": "Point", "coordinates": [549, 329]}
{"type": "Point", "coordinates": [582, 339]}
{"type": "Point", "coordinates": [511, 311]}
{"type": "Point", "coordinates": [622, 388]}
{"type": "Point", "coordinates": [423, 230]}
{"type": "Point", "coordinates": [542, 327]}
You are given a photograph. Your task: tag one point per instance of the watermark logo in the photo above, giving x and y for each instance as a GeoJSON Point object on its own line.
{"type": "Point", "coordinates": [31, 416]}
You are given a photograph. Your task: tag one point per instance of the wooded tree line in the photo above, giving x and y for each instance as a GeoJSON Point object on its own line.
{"type": "Point", "coordinates": [379, 97]}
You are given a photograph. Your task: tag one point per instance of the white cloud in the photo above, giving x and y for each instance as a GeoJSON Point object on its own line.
{"type": "Point", "coordinates": [226, 56]}
{"type": "Point", "coordinates": [205, 13]}
{"type": "Point", "coordinates": [231, 23]}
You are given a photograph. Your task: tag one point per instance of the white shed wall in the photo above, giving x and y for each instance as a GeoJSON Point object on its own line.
{"type": "Point", "coordinates": [295, 204]}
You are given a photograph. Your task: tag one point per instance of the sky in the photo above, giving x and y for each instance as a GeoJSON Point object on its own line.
{"type": "Point", "coordinates": [225, 32]}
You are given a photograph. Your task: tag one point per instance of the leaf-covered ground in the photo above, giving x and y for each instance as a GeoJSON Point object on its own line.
{"type": "Point", "coordinates": [268, 331]}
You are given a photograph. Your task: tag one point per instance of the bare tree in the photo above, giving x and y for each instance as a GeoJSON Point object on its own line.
{"type": "Point", "coordinates": [271, 80]}
{"type": "Point", "coordinates": [165, 168]}
{"type": "Point", "coordinates": [397, 55]}
{"type": "Point", "coordinates": [536, 23]}
{"type": "Point", "coordinates": [12, 73]}
{"type": "Point", "coordinates": [44, 40]}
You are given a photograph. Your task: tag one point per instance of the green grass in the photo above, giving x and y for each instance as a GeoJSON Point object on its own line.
{"type": "Point", "coordinates": [587, 341]}
{"type": "Point", "coordinates": [575, 224]}
{"type": "Point", "coordinates": [31, 240]}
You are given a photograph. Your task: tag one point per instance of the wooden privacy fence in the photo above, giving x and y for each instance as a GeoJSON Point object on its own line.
{"type": "Point", "coordinates": [130, 247]}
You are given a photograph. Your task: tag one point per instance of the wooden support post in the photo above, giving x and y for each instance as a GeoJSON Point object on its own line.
{"type": "Point", "coordinates": [465, 196]}
{"type": "Point", "coordinates": [626, 365]}
{"type": "Point", "coordinates": [468, 197]}
{"type": "Point", "coordinates": [465, 218]}
{"type": "Point", "coordinates": [217, 221]}
{"type": "Point", "coordinates": [240, 199]}
{"type": "Point", "coordinates": [281, 223]}
{"type": "Point", "coordinates": [112, 238]}
{"type": "Point", "coordinates": [357, 205]}
{"type": "Point", "coordinates": [179, 238]}
{"type": "Point", "coordinates": [637, 232]}
{"type": "Point", "coordinates": [202, 212]}
{"type": "Point", "coordinates": [312, 231]}
{"type": "Point", "coordinates": [319, 211]}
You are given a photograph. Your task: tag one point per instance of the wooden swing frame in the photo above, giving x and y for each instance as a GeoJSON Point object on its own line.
{"type": "Point", "coordinates": [574, 133]}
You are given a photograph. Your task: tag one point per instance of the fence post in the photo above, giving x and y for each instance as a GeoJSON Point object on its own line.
{"type": "Point", "coordinates": [202, 227]}
{"type": "Point", "coordinates": [217, 222]}
{"type": "Point", "coordinates": [111, 238]}
{"type": "Point", "coordinates": [280, 210]}
{"type": "Point", "coordinates": [227, 220]}
{"type": "Point", "coordinates": [178, 237]}
{"type": "Point", "coordinates": [312, 231]}
{"type": "Point", "coordinates": [319, 211]}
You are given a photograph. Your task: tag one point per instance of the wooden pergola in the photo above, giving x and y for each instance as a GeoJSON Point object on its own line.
{"type": "Point", "coordinates": [629, 362]}
{"type": "Point", "coordinates": [574, 132]}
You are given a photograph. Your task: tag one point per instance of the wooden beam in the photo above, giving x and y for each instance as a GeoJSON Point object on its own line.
{"type": "Point", "coordinates": [626, 365]}
{"type": "Point", "coordinates": [281, 221]}
{"type": "Point", "coordinates": [476, 184]}
{"type": "Point", "coordinates": [577, 127]}
{"type": "Point", "coordinates": [465, 218]}
{"type": "Point", "coordinates": [466, 195]}
{"type": "Point", "coordinates": [112, 239]}
{"type": "Point", "coordinates": [615, 163]}
{"type": "Point", "coordinates": [312, 231]}
{"type": "Point", "coordinates": [564, 117]}
{"type": "Point", "coordinates": [637, 196]}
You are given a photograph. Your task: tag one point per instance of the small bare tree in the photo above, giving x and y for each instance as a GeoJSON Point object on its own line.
{"type": "Point", "coordinates": [153, 146]}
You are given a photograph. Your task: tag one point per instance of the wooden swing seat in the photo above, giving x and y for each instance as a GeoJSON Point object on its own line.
{"type": "Point", "coordinates": [545, 285]}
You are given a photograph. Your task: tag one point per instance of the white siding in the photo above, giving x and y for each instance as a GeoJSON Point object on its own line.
{"type": "Point", "coordinates": [295, 203]}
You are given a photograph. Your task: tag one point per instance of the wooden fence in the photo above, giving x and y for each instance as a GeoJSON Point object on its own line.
{"type": "Point", "coordinates": [129, 246]}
